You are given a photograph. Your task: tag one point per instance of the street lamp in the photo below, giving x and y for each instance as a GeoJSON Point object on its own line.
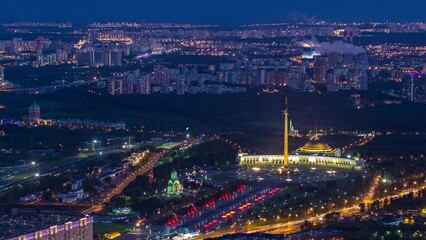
{"type": "Point", "coordinates": [94, 143]}
{"type": "Point", "coordinates": [33, 163]}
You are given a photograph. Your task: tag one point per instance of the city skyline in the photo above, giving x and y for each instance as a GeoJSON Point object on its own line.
{"type": "Point", "coordinates": [218, 12]}
{"type": "Point", "coordinates": [169, 119]}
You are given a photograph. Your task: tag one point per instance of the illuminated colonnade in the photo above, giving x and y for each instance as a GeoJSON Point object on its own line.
{"type": "Point", "coordinates": [302, 160]}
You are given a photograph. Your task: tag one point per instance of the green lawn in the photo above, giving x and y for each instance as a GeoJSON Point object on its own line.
{"type": "Point", "coordinates": [103, 228]}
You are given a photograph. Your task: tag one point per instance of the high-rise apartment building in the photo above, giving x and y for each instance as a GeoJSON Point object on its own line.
{"type": "Point", "coordinates": [98, 58]}
{"type": "Point", "coordinates": [34, 112]}
{"type": "Point", "coordinates": [115, 87]}
{"type": "Point", "coordinates": [161, 76]}
{"type": "Point", "coordinates": [414, 88]}
{"type": "Point", "coordinates": [180, 86]}
{"type": "Point", "coordinates": [2, 74]}
{"type": "Point", "coordinates": [146, 84]}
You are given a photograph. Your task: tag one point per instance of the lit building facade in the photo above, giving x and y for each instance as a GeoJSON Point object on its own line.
{"type": "Point", "coordinates": [2, 74]}
{"type": "Point", "coordinates": [161, 76]}
{"type": "Point", "coordinates": [34, 113]}
{"type": "Point", "coordinates": [301, 160]}
{"type": "Point", "coordinates": [115, 87]}
{"type": "Point", "coordinates": [180, 86]}
{"type": "Point", "coordinates": [414, 88]}
{"type": "Point", "coordinates": [81, 229]}
{"type": "Point", "coordinates": [145, 84]}
{"type": "Point", "coordinates": [4, 85]}
{"type": "Point", "coordinates": [99, 57]}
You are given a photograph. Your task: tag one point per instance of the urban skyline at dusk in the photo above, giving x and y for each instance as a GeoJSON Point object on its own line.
{"type": "Point", "coordinates": [215, 120]}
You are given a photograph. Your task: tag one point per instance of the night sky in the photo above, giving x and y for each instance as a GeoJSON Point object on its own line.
{"type": "Point", "coordinates": [210, 11]}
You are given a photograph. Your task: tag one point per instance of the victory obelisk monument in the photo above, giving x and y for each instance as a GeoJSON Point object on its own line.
{"type": "Point", "coordinates": [286, 136]}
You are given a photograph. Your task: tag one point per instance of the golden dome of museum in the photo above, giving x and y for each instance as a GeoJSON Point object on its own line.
{"type": "Point", "coordinates": [316, 147]}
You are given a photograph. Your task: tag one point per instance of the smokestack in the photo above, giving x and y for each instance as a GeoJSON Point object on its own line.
{"type": "Point", "coordinates": [351, 37]}
{"type": "Point", "coordinates": [345, 38]}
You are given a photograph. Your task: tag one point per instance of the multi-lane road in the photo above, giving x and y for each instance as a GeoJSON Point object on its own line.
{"type": "Point", "coordinates": [152, 160]}
{"type": "Point", "coordinates": [145, 168]}
{"type": "Point", "coordinates": [294, 226]}
{"type": "Point", "coordinates": [44, 169]}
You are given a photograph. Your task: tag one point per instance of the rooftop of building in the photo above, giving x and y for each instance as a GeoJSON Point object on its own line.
{"type": "Point", "coordinates": [315, 147]}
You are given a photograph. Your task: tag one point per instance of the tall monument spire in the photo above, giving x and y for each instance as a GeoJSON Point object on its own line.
{"type": "Point", "coordinates": [285, 135]}
{"type": "Point", "coordinates": [315, 133]}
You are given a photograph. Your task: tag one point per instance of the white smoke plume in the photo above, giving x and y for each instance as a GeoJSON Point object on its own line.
{"type": "Point", "coordinates": [332, 47]}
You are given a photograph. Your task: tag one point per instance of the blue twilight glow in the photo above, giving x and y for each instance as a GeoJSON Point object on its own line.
{"type": "Point", "coordinates": [214, 11]}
